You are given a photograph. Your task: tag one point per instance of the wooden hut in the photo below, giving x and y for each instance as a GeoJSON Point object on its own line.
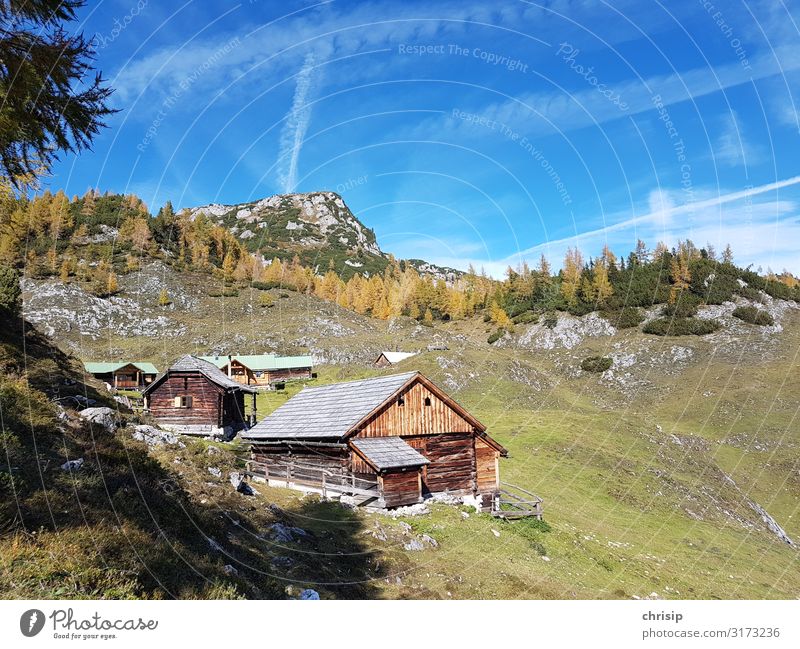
{"type": "Point", "coordinates": [125, 374]}
{"type": "Point", "coordinates": [195, 397]}
{"type": "Point", "coordinates": [263, 369]}
{"type": "Point", "coordinates": [391, 441]}
{"type": "Point", "coordinates": [385, 359]}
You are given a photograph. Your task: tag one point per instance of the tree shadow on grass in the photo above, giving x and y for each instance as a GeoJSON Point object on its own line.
{"type": "Point", "coordinates": [125, 525]}
{"type": "Point", "coordinates": [326, 550]}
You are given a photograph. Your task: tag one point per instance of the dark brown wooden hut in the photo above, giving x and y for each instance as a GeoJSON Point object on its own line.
{"type": "Point", "coordinates": [195, 397]}
{"type": "Point", "coordinates": [391, 440]}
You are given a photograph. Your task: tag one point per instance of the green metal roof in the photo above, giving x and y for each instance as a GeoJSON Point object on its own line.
{"type": "Point", "coordinates": [259, 362]}
{"type": "Point", "coordinates": [108, 368]}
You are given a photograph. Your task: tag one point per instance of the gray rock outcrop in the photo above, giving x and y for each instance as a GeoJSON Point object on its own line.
{"type": "Point", "coordinates": [238, 483]}
{"type": "Point", "coordinates": [286, 534]}
{"type": "Point", "coordinates": [154, 437]}
{"type": "Point", "coordinates": [102, 416]}
{"type": "Point", "coordinates": [72, 465]}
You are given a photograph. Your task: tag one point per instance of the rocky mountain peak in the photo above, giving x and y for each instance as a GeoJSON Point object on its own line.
{"type": "Point", "coordinates": [319, 227]}
{"type": "Point", "coordinates": [292, 222]}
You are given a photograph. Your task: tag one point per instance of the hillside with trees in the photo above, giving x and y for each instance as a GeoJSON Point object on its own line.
{"type": "Point", "coordinates": [94, 239]}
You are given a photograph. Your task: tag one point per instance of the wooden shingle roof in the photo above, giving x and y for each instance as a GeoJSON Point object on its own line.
{"type": "Point", "coordinates": [387, 452]}
{"type": "Point", "coordinates": [330, 411]}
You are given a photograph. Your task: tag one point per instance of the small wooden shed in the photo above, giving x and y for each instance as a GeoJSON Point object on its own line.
{"type": "Point", "coordinates": [263, 369]}
{"type": "Point", "coordinates": [195, 397]}
{"type": "Point", "coordinates": [385, 359]}
{"type": "Point", "coordinates": [123, 374]}
{"type": "Point", "coordinates": [390, 440]}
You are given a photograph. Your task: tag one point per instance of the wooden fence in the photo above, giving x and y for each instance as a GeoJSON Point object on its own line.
{"type": "Point", "coordinates": [295, 474]}
{"type": "Point", "coordinates": [512, 501]}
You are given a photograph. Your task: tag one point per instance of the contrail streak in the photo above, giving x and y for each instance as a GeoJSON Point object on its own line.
{"type": "Point", "coordinates": [670, 211]}
{"type": "Point", "coordinates": [295, 127]}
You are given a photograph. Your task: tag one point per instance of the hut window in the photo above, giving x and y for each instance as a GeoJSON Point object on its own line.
{"type": "Point", "coordinates": [427, 401]}
{"type": "Point", "coordinates": [401, 401]}
{"type": "Point", "coordinates": [183, 402]}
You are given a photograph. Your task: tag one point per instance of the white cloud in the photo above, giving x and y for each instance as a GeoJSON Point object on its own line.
{"type": "Point", "coordinates": [272, 49]}
{"type": "Point", "coordinates": [563, 110]}
{"type": "Point", "coordinates": [662, 206]}
{"type": "Point", "coordinates": [715, 200]}
{"type": "Point", "coordinates": [732, 147]}
{"type": "Point", "coordinates": [416, 245]}
{"type": "Point", "coordinates": [761, 232]}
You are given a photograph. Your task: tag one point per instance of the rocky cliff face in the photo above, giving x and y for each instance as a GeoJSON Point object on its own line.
{"type": "Point", "coordinates": [318, 227]}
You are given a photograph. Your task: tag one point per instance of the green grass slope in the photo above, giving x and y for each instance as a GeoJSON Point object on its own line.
{"type": "Point", "coordinates": [133, 523]}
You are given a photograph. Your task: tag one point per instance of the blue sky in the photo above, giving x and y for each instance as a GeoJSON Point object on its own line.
{"type": "Point", "coordinates": [483, 132]}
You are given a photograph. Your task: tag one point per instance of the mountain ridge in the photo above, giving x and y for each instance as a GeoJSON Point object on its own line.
{"type": "Point", "coordinates": [318, 227]}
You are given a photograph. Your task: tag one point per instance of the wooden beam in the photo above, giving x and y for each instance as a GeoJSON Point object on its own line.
{"type": "Point", "coordinates": [291, 442]}
{"type": "Point", "coordinates": [367, 461]}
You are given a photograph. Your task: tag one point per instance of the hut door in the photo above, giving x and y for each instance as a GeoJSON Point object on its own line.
{"type": "Point", "coordinates": [420, 444]}
{"type": "Point", "coordinates": [424, 480]}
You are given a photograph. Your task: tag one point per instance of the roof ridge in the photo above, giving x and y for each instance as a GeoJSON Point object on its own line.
{"type": "Point", "coordinates": [115, 362]}
{"type": "Point", "coordinates": [191, 362]}
{"type": "Point", "coordinates": [371, 378]}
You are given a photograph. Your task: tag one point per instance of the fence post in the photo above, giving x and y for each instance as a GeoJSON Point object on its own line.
{"type": "Point", "coordinates": [324, 494]}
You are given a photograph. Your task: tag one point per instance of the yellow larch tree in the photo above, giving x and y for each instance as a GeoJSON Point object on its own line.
{"type": "Point", "coordinates": [571, 275]}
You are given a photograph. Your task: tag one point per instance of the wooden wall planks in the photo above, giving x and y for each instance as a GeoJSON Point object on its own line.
{"type": "Point", "coordinates": [401, 488]}
{"type": "Point", "coordinates": [211, 406]}
{"type": "Point", "coordinates": [413, 417]}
